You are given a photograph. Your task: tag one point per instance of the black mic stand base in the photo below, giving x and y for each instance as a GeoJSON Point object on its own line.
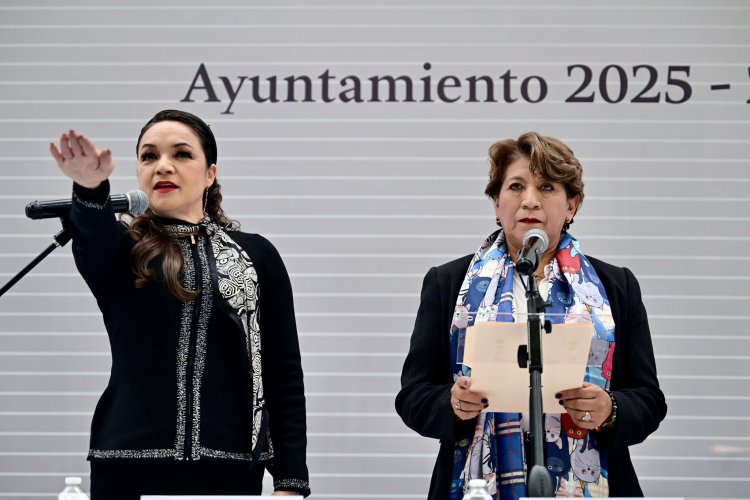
{"type": "Point", "coordinates": [539, 482]}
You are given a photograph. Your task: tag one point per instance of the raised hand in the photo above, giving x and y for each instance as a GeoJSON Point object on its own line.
{"type": "Point", "coordinates": [79, 159]}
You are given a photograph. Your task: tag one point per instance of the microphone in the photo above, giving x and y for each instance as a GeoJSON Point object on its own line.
{"type": "Point", "coordinates": [134, 202]}
{"type": "Point", "coordinates": [535, 242]}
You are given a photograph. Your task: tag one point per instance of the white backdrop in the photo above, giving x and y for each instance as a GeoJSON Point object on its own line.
{"type": "Point", "coordinates": [361, 198]}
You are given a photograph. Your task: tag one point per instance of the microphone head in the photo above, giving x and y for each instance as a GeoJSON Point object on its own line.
{"type": "Point", "coordinates": [137, 202]}
{"type": "Point", "coordinates": [537, 233]}
{"type": "Point", "coordinates": [33, 209]}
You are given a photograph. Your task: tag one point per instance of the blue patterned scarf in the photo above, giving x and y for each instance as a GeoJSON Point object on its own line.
{"type": "Point", "coordinates": [495, 450]}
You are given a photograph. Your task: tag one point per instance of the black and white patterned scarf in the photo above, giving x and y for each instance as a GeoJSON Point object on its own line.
{"type": "Point", "coordinates": [237, 284]}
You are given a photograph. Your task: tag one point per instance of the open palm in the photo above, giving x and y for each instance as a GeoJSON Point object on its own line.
{"type": "Point", "coordinates": [79, 159]}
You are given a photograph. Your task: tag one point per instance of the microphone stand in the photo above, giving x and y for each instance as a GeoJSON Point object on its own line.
{"type": "Point", "coordinates": [539, 482]}
{"type": "Point", "coordinates": [59, 240]}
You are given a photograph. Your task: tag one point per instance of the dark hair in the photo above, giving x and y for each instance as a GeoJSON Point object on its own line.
{"type": "Point", "coordinates": [151, 239]}
{"type": "Point", "coordinates": [201, 129]}
{"type": "Point", "coordinates": [550, 157]}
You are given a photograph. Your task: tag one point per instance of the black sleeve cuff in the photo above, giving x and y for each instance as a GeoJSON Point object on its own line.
{"type": "Point", "coordinates": [92, 198]}
{"type": "Point", "coordinates": [298, 485]}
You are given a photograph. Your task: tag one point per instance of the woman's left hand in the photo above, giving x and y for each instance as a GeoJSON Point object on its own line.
{"type": "Point", "coordinates": [590, 399]}
{"type": "Point", "coordinates": [284, 493]}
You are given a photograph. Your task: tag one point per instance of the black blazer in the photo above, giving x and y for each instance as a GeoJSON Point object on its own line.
{"type": "Point", "coordinates": [426, 379]}
{"type": "Point", "coordinates": [137, 416]}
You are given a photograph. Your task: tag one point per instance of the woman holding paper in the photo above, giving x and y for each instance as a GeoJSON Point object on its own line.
{"type": "Point", "coordinates": [535, 182]}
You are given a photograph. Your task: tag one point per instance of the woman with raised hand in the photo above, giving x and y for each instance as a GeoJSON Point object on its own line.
{"type": "Point", "coordinates": [535, 183]}
{"type": "Point", "coordinates": [206, 388]}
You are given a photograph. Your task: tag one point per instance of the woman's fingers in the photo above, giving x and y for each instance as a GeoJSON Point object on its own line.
{"type": "Point", "coordinates": [105, 161]}
{"type": "Point", "coordinates": [579, 404]}
{"type": "Point", "coordinates": [79, 159]}
{"type": "Point", "coordinates": [587, 390]}
{"type": "Point", "coordinates": [588, 413]}
{"type": "Point", "coordinates": [466, 404]}
{"type": "Point", "coordinates": [581, 421]}
{"type": "Point", "coordinates": [87, 146]}
{"type": "Point", "coordinates": [65, 147]}
{"type": "Point", "coordinates": [56, 154]}
{"type": "Point", "coordinates": [463, 382]}
{"type": "Point", "coordinates": [461, 391]}
{"type": "Point", "coordinates": [465, 410]}
{"type": "Point", "coordinates": [75, 147]}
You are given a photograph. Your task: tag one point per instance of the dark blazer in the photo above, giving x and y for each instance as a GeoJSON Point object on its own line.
{"type": "Point", "coordinates": [180, 386]}
{"type": "Point", "coordinates": [426, 379]}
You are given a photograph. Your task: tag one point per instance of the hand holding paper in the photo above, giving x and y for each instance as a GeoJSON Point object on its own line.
{"type": "Point", "coordinates": [466, 403]}
{"type": "Point", "coordinates": [491, 351]}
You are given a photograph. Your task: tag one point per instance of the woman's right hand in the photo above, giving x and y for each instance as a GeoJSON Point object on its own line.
{"type": "Point", "coordinates": [79, 159]}
{"type": "Point", "coordinates": [466, 404]}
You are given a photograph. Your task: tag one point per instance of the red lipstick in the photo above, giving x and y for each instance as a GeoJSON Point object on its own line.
{"type": "Point", "coordinates": [165, 187]}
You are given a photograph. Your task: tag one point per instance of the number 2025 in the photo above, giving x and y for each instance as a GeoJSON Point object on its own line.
{"type": "Point", "coordinates": [614, 90]}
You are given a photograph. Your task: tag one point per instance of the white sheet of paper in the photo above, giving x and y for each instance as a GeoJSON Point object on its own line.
{"type": "Point", "coordinates": [491, 350]}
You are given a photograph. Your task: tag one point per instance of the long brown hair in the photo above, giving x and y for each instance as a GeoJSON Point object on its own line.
{"type": "Point", "coordinates": [151, 239]}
